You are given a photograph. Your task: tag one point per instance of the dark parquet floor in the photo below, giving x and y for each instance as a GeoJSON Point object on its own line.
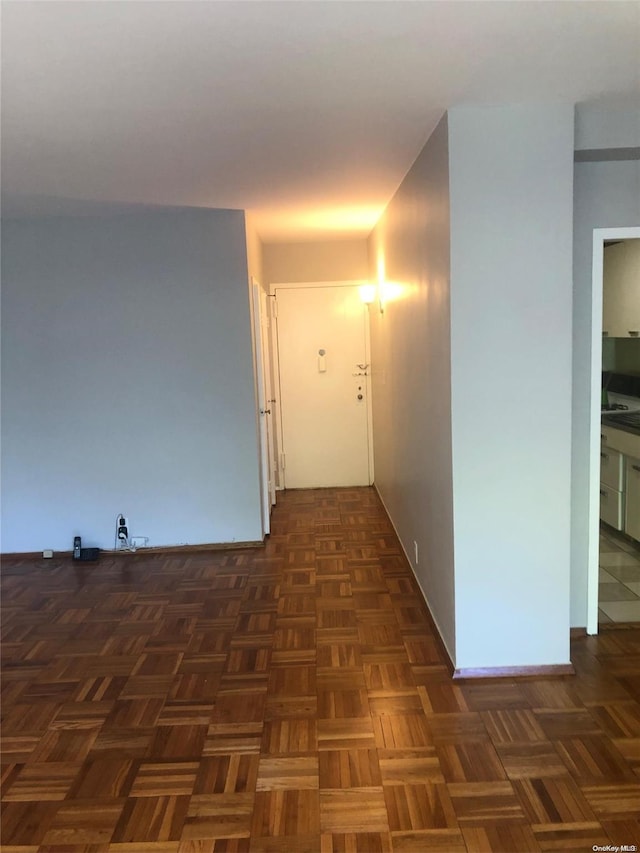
{"type": "Point", "coordinates": [294, 698]}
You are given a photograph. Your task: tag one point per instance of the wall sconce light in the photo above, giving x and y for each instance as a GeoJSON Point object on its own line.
{"type": "Point", "coordinates": [375, 293]}
{"type": "Point", "coordinates": [382, 277]}
{"type": "Point", "coordinates": [368, 293]}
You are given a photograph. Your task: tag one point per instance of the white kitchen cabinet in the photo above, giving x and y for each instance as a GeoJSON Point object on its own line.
{"type": "Point", "coordinates": [620, 480]}
{"type": "Point", "coordinates": [611, 468]}
{"type": "Point", "coordinates": [627, 443]}
{"type": "Point", "coordinates": [621, 290]}
{"type": "Point", "coordinates": [611, 506]}
{"type": "Point", "coordinates": [632, 498]}
{"type": "Point", "coordinates": [612, 472]}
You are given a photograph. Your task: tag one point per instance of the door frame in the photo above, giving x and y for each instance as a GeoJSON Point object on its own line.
{"type": "Point", "coordinates": [262, 405]}
{"type": "Point", "coordinates": [600, 235]}
{"type": "Point", "coordinates": [265, 320]}
{"type": "Point", "coordinates": [273, 330]}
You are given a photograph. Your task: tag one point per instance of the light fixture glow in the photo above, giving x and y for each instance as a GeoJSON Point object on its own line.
{"type": "Point", "coordinates": [368, 293]}
{"type": "Point", "coordinates": [381, 281]}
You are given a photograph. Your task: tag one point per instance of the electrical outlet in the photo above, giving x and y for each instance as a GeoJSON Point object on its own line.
{"type": "Point", "coordinates": [415, 550]}
{"type": "Point", "coordinates": [122, 531]}
{"type": "Point", "coordinates": [47, 554]}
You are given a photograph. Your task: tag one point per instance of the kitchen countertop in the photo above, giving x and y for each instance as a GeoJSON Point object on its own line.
{"type": "Point", "coordinates": [612, 420]}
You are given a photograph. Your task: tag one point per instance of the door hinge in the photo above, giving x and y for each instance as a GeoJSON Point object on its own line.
{"type": "Point", "coordinates": [282, 461]}
{"type": "Point", "coordinates": [274, 307]}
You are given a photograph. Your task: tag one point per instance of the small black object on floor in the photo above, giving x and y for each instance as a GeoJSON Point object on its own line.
{"type": "Point", "coordinates": [87, 554]}
{"type": "Point", "coordinates": [84, 554]}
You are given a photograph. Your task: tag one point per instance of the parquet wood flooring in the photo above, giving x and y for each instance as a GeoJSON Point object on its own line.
{"type": "Point", "coordinates": [294, 698]}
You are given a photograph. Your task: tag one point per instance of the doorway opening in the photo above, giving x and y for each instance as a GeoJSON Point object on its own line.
{"type": "Point", "coordinates": [600, 237]}
{"type": "Point", "coordinates": [322, 372]}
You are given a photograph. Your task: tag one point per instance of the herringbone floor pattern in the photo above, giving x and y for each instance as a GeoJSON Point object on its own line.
{"type": "Point", "coordinates": [294, 698]}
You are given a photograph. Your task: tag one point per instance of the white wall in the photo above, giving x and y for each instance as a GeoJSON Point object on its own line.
{"type": "Point", "coordinates": [254, 250]}
{"type": "Point", "coordinates": [607, 195]}
{"type": "Point", "coordinates": [607, 125]}
{"type": "Point", "coordinates": [127, 381]}
{"type": "Point", "coordinates": [328, 260]}
{"type": "Point", "coordinates": [511, 176]}
{"type": "Point", "coordinates": [411, 375]}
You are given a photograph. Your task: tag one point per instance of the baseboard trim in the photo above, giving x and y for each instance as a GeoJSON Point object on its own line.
{"type": "Point", "coordinates": [559, 669]}
{"type": "Point", "coordinates": [160, 549]}
{"type": "Point", "coordinates": [170, 549]}
{"type": "Point", "coordinates": [436, 630]}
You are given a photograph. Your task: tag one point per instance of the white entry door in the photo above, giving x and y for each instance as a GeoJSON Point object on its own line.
{"type": "Point", "coordinates": [324, 386]}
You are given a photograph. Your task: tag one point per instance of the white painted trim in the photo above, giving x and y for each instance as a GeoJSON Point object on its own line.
{"type": "Point", "coordinates": [299, 284]}
{"type": "Point", "coordinates": [265, 503]}
{"type": "Point", "coordinates": [265, 320]}
{"type": "Point", "coordinates": [599, 237]}
{"type": "Point", "coordinates": [275, 352]}
{"type": "Point", "coordinates": [367, 346]}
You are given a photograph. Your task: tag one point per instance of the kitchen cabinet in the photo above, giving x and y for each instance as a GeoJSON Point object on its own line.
{"type": "Point", "coordinates": [620, 480]}
{"type": "Point", "coordinates": [612, 487]}
{"type": "Point", "coordinates": [626, 443]}
{"type": "Point", "coordinates": [612, 507]}
{"type": "Point", "coordinates": [621, 290]}
{"type": "Point", "coordinates": [632, 498]}
{"type": "Point", "coordinates": [611, 468]}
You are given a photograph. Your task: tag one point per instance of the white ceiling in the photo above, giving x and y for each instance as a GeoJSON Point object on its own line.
{"type": "Point", "coordinates": [308, 114]}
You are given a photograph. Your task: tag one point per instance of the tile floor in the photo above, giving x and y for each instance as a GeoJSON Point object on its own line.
{"type": "Point", "coordinates": [619, 590]}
